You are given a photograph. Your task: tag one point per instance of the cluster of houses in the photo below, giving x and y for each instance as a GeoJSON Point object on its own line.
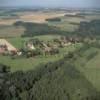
{"type": "Point", "coordinates": [32, 45]}
{"type": "Point", "coordinates": [49, 47]}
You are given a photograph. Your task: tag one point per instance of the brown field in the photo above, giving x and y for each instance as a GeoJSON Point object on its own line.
{"type": "Point", "coordinates": [38, 17]}
{"type": "Point", "coordinates": [7, 21]}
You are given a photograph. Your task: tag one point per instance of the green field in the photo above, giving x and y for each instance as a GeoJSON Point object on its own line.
{"type": "Point", "coordinates": [18, 42]}
{"type": "Point", "coordinates": [9, 31]}
{"type": "Point", "coordinates": [92, 71]}
{"type": "Point", "coordinates": [90, 68]}
{"type": "Point", "coordinates": [22, 63]}
{"type": "Point", "coordinates": [67, 22]}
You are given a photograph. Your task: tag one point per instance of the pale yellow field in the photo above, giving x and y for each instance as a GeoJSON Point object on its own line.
{"type": "Point", "coordinates": [38, 17]}
{"type": "Point", "coordinates": [7, 21]}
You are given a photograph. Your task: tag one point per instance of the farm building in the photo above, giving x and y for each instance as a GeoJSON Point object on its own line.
{"type": "Point", "coordinates": [6, 46]}
{"type": "Point", "coordinates": [30, 46]}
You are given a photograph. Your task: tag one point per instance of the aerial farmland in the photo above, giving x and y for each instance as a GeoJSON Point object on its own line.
{"type": "Point", "coordinates": [49, 54]}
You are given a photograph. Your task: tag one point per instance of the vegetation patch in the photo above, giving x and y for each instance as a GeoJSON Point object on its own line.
{"type": "Point", "coordinates": [53, 20]}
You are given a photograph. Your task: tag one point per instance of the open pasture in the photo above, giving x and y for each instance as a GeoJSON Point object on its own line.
{"type": "Point", "coordinates": [25, 64]}
{"type": "Point", "coordinates": [90, 68]}
{"type": "Point", "coordinates": [71, 23]}
{"type": "Point", "coordinates": [8, 31]}
{"type": "Point", "coordinates": [18, 42]}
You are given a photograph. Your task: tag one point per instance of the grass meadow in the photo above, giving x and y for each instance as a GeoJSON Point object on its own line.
{"type": "Point", "coordinates": [23, 63]}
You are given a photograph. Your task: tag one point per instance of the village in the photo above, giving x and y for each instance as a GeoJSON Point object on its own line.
{"type": "Point", "coordinates": [35, 47]}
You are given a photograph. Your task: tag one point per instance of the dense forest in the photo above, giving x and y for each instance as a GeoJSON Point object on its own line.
{"type": "Point", "coordinates": [58, 80]}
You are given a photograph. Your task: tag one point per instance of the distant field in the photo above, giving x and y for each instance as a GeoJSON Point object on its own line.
{"type": "Point", "coordinates": [64, 26]}
{"type": "Point", "coordinates": [38, 17]}
{"type": "Point", "coordinates": [92, 17]}
{"type": "Point", "coordinates": [71, 23]}
{"type": "Point", "coordinates": [7, 21]}
{"type": "Point", "coordinates": [11, 31]}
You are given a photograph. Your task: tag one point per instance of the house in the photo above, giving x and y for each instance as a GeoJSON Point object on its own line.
{"type": "Point", "coordinates": [45, 48]}
{"type": "Point", "coordinates": [30, 46]}
{"type": "Point", "coordinates": [6, 46]}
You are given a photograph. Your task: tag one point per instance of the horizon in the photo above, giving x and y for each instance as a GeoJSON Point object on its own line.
{"type": "Point", "coordinates": [51, 3]}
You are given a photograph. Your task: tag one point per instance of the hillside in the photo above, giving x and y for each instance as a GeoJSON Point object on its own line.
{"type": "Point", "coordinates": [89, 64]}
{"type": "Point", "coordinates": [53, 81]}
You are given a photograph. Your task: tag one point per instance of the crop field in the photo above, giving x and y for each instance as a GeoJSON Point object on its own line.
{"type": "Point", "coordinates": [7, 21]}
{"type": "Point", "coordinates": [92, 17]}
{"type": "Point", "coordinates": [8, 31]}
{"type": "Point", "coordinates": [66, 23]}
{"type": "Point", "coordinates": [38, 17]}
{"type": "Point", "coordinates": [72, 23]}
